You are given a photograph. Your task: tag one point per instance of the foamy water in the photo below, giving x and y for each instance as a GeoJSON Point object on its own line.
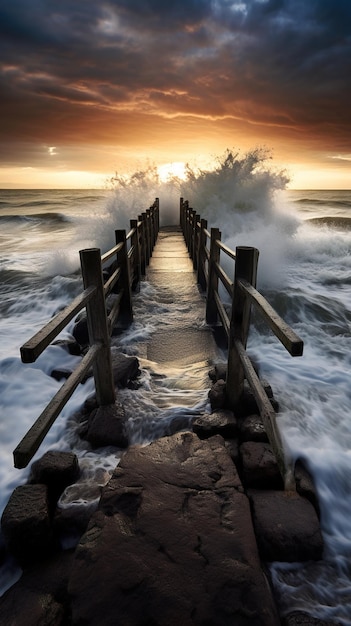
{"type": "Point", "coordinates": [304, 271]}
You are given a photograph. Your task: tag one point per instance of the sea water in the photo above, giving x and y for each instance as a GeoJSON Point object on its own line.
{"type": "Point", "coordinates": [304, 239]}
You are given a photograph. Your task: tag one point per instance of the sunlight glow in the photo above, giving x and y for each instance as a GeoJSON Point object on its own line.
{"type": "Point", "coordinates": [171, 170]}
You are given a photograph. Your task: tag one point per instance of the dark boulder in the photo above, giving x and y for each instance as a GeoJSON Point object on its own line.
{"type": "Point", "coordinates": [286, 526]}
{"type": "Point", "coordinates": [259, 466]}
{"type": "Point", "coordinates": [252, 429]}
{"type": "Point", "coordinates": [221, 422]}
{"type": "Point", "coordinates": [106, 427]}
{"type": "Point", "coordinates": [26, 523]}
{"type": "Point", "coordinates": [57, 470]}
{"type": "Point", "coordinates": [125, 368]}
{"type": "Point", "coordinates": [217, 395]}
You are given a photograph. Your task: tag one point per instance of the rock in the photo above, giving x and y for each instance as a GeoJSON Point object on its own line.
{"type": "Point", "coordinates": [217, 395]}
{"type": "Point", "coordinates": [26, 523]}
{"type": "Point", "coordinates": [80, 331]}
{"type": "Point", "coordinates": [259, 466]}
{"type": "Point", "coordinates": [298, 618]}
{"type": "Point", "coordinates": [232, 446]}
{"type": "Point", "coordinates": [248, 404]}
{"type": "Point", "coordinates": [70, 345]}
{"type": "Point", "coordinates": [106, 427]}
{"type": "Point", "coordinates": [71, 522]}
{"type": "Point", "coordinates": [220, 422]}
{"type": "Point", "coordinates": [172, 543]}
{"type": "Point", "coordinates": [60, 374]}
{"type": "Point", "coordinates": [286, 526]}
{"type": "Point", "coordinates": [305, 485]}
{"type": "Point", "coordinates": [125, 368]}
{"type": "Point", "coordinates": [218, 372]}
{"type": "Point", "coordinates": [40, 596]}
{"type": "Point", "coordinates": [252, 429]}
{"type": "Point", "coordinates": [57, 470]}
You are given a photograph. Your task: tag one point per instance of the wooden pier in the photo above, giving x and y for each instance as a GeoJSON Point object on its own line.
{"type": "Point", "coordinates": [186, 525]}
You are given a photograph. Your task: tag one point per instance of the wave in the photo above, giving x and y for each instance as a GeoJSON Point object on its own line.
{"type": "Point", "coordinates": [57, 218]}
{"type": "Point", "coordinates": [343, 223]}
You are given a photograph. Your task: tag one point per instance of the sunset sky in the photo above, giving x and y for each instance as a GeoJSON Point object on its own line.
{"type": "Point", "coordinates": [93, 87]}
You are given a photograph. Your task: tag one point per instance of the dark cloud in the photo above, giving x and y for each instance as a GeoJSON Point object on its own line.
{"type": "Point", "coordinates": [76, 69]}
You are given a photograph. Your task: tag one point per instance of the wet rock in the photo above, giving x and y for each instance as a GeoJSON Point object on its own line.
{"type": "Point", "coordinates": [40, 596]}
{"type": "Point", "coordinates": [217, 395]}
{"type": "Point", "coordinates": [298, 618]}
{"type": "Point", "coordinates": [259, 466]}
{"type": "Point", "coordinates": [232, 446]}
{"type": "Point", "coordinates": [57, 470]}
{"type": "Point", "coordinates": [60, 374]}
{"type": "Point", "coordinates": [252, 429]}
{"type": "Point", "coordinates": [80, 331]}
{"type": "Point", "coordinates": [221, 422]}
{"type": "Point", "coordinates": [106, 427]}
{"type": "Point", "coordinates": [125, 368]}
{"type": "Point", "coordinates": [218, 372]}
{"type": "Point", "coordinates": [286, 526]}
{"type": "Point", "coordinates": [70, 345]}
{"type": "Point", "coordinates": [305, 485]}
{"type": "Point", "coordinates": [26, 524]}
{"type": "Point", "coordinates": [172, 543]}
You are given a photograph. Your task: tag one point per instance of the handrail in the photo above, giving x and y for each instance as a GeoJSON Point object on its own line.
{"type": "Point", "coordinates": [37, 344]}
{"type": "Point", "coordinates": [290, 340]}
{"type": "Point", "coordinates": [243, 294]}
{"type": "Point", "coordinates": [130, 266]}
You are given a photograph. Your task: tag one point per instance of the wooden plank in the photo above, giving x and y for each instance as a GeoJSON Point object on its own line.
{"type": "Point", "coordinates": [110, 253]}
{"type": "Point", "coordinates": [30, 443]}
{"type": "Point", "coordinates": [227, 250]}
{"type": "Point", "coordinates": [37, 344]}
{"type": "Point", "coordinates": [225, 280]}
{"type": "Point", "coordinates": [268, 416]}
{"type": "Point", "coordinates": [281, 329]}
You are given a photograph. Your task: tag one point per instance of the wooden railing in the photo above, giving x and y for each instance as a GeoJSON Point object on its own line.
{"type": "Point", "coordinates": [243, 294]}
{"type": "Point", "coordinates": [131, 256]}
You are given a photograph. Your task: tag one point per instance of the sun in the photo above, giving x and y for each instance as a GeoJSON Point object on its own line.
{"type": "Point", "coordinates": [171, 170]}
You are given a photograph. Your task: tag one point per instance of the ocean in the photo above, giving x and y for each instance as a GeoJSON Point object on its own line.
{"type": "Point", "coordinates": [304, 238]}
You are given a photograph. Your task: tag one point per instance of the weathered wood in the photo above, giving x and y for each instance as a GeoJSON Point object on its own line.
{"type": "Point", "coordinates": [136, 256]}
{"type": "Point", "coordinates": [126, 309]}
{"type": "Point", "coordinates": [196, 235]}
{"type": "Point", "coordinates": [30, 443]}
{"type": "Point", "coordinates": [245, 267]}
{"type": "Point", "coordinates": [97, 325]}
{"type": "Point", "coordinates": [201, 255]}
{"type": "Point", "coordinates": [37, 344]}
{"type": "Point", "coordinates": [142, 240]}
{"type": "Point", "coordinates": [290, 340]}
{"type": "Point", "coordinates": [212, 286]}
{"type": "Point", "coordinates": [268, 417]}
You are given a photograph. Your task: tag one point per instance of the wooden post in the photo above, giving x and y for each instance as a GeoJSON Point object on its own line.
{"type": "Point", "coordinates": [142, 245]}
{"type": "Point", "coordinates": [212, 287]}
{"type": "Point", "coordinates": [245, 267]}
{"type": "Point", "coordinates": [195, 239]}
{"type": "Point", "coordinates": [152, 228]}
{"type": "Point", "coordinates": [186, 223]}
{"type": "Point", "coordinates": [126, 310]}
{"type": "Point", "coordinates": [181, 214]}
{"type": "Point", "coordinates": [135, 242]}
{"type": "Point", "coordinates": [201, 276]}
{"type": "Point", "coordinates": [146, 238]}
{"type": "Point", "coordinates": [148, 235]}
{"type": "Point", "coordinates": [157, 211]}
{"type": "Point", "coordinates": [90, 260]}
